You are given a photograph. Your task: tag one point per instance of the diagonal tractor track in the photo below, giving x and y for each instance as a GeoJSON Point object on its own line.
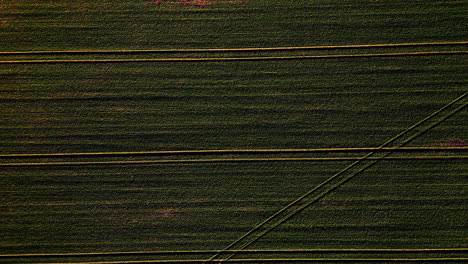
{"type": "Point", "coordinates": [340, 178]}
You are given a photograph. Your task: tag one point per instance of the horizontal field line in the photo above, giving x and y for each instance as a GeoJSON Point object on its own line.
{"type": "Point", "coordinates": [246, 251]}
{"type": "Point", "coordinates": [142, 162]}
{"type": "Point", "coordinates": [78, 52]}
{"type": "Point", "coordinates": [227, 59]}
{"type": "Point", "coordinates": [283, 260]}
{"type": "Point", "coordinates": [232, 151]}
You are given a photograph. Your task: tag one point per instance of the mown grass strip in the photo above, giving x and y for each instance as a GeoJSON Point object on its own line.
{"type": "Point", "coordinates": [253, 160]}
{"type": "Point", "coordinates": [230, 152]}
{"type": "Point", "coordinates": [245, 251]}
{"type": "Point", "coordinates": [336, 176]}
{"type": "Point", "coordinates": [317, 57]}
{"type": "Point", "coordinates": [268, 49]}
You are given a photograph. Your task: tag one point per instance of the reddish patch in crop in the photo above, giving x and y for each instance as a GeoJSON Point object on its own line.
{"type": "Point", "coordinates": [453, 142]}
{"type": "Point", "coordinates": [195, 3]}
{"type": "Point", "coordinates": [166, 213]}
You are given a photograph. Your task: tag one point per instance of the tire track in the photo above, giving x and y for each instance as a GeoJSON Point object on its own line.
{"type": "Point", "coordinates": [234, 59]}
{"type": "Point", "coordinates": [267, 49]}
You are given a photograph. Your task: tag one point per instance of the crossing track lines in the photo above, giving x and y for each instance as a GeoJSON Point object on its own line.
{"type": "Point", "coordinates": [233, 59]}
{"type": "Point", "coordinates": [233, 152]}
{"type": "Point", "coordinates": [230, 50]}
{"type": "Point", "coordinates": [337, 180]}
{"type": "Point", "coordinates": [443, 260]}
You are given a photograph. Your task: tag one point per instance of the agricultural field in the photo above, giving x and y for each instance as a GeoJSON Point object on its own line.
{"type": "Point", "coordinates": [140, 131]}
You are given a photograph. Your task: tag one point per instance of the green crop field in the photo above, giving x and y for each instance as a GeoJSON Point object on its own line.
{"type": "Point", "coordinates": [183, 155]}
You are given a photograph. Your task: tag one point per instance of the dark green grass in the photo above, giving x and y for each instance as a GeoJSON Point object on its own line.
{"type": "Point", "coordinates": [168, 207]}
{"type": "Point", "coordinates": [189, 207]}
{"type": "Point", "coordinates": [174, 106]}
{"type": "Point", "coordinates": [125, 24]}
{"type": "Point", "coordinates": [135, 107]}
{"type": "Point", "coordinates": [227, 105]}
